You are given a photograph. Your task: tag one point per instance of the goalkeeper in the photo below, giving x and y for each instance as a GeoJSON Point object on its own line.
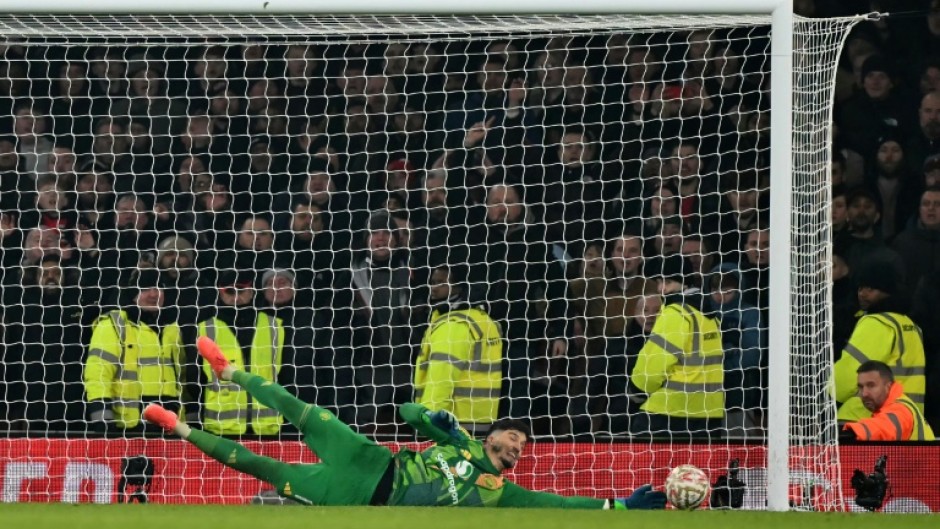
{"type": "Point", "coordinates": [356, 471]}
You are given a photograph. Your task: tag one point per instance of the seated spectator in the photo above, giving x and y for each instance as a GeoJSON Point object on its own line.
{"type": "Point", "coordinates": [254, 246]}
{"type": "Point", "coordinates": [51, 206]}
{"type": "Point", "coordinates": [926, 141]}
{"type": "Point", "coordinates": [381, 289]}
{"type": "Point", "coordinates": [43, 355]}
{"type": "Point", "coordinates": [895, 416]}
{"type": "Point", "coordinates": [519, 278]}
{"type": "Point", "coordinates": [744, 341]}
{"type": "Point", "coordinates": [875, 110]}
{"type": "Point", "coordinates": [127, 244]}
{"type": "Point", "coordinates": [919, 245]}
{"type": "Point", "coordinates": [864, 243]}
{"type": "Point", "coordinates": [897, 187]}
{"type": "Point", "coordinates": [32, 145]}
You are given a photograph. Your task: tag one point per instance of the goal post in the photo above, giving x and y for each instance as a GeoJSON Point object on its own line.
{"type": "Point", "coordinates": [798, 97]}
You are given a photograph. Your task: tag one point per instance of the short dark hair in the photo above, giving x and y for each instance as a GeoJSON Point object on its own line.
{"type": "Point", "coordinates": [874, 365]}
{"type": "Point", "coordinates": [510, 424]}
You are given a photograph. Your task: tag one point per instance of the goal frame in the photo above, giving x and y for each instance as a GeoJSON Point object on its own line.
{"type": "Point", "coordinates": [781, 104]}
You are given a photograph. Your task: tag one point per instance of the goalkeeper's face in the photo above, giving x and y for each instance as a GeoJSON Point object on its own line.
{"type": "Point", "coordinates": [504, 448]}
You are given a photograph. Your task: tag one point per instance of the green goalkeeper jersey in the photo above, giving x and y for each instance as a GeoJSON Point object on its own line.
{"type": "Point", "coordinates": [457, 472]}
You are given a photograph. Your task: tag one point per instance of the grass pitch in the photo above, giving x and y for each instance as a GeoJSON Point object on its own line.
{"type": "Point", "coordinates": [62, 516]}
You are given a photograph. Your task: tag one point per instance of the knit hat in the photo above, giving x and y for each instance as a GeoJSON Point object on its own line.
{"type": "Point", "coordinates": [274, 272]}
{"type": "Point", "coordinates": [381, 221]}
{"type": "Point", "coordinates": [240, 279]}
{"type": "Point", "coordinates": [144, 279]}
{"type": "Point", "coordinates": [876, 63]}
{"type": "Point", "coordinates": [176, 244]}
{"type": "Point", "coordinates": [879, 275]}
{"type": "Point", "coordinates": [932, 163]}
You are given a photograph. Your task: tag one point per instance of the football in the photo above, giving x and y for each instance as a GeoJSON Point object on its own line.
{"type": "Point", "coordinates": [687, 487]}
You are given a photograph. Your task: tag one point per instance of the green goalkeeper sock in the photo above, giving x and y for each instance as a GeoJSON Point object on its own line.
{"type": "Point", "coordinates": [273, 396]}
{"type": "Point", "coordinates": [234, 455]}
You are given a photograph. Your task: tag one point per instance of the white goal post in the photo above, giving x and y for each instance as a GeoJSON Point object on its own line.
{"type": "Point", "coordinates": [800, 142]}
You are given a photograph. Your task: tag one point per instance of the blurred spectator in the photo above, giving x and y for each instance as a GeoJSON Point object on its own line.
{"type": "Point", "coordinates": [176, 260]}
{"type": "Point", "coordinates": [571, 204]}
{"type": "Point", "coordinates": [71, 103]}
{"type": "Point", "coordinates": [150, 103]}
{"type": "Point", "coordinates": [524, 288]}
{"type": "Point", "coordinates": [744, 341]}
{"type": "Point", "coordinates": [919, 245]}
{"type": "Point", "coordinates": [381, 287]}
{"type": "Point", "coordinates": [606, 295]}
{"type": "Point", "coordinates": [51, 206]}
{"type": "Point", "coordinates": [668, 240]}
{"type": "Point", "coordinates": [926, 142]}
{"type": "Point", "coordinates": [110, 149]}
{"type": "Point", "coordinates": [755, 268]}
{"type": "Point", "coordinates": [279, 297]}
{"type": "Point", "coordinates": [839, 209]}
{"type": "Point", "coordinates": [43, 355]}
{"type": "Point", "coordinates": [680, 367]}
{"type": "Point", "coordinates": [897, 187]}
{"type": "Point", "coordinates": [254, 246]}
{"type": "Point", "coordinates": [698, 189]}
{"type": "Point", "coordinates": [132, 239]}
{"type": "Point", "coordinates": [32, 145]}
{"type": "Point", "coordinates": [134, 356]}
{"type": "Point", "coordinates": [740, 206]}
{"type": "Point", "coordinates": [863, 242]}
{"type": "Point", "coordinates": [884, 332]}
{"type": "Point", "coordinates": [700, 256]}
{"type": "Point", "coordinates": [876, 110]}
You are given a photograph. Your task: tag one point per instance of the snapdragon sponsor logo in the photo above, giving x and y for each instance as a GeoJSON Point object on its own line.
{"type": "Point", "coordinates": [451, 482]}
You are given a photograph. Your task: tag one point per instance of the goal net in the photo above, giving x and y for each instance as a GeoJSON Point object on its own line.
{"type": "Point", "coordinates": [479, 213]}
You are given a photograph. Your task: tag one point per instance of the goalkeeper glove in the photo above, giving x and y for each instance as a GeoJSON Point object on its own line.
{"type": "Point", "coordinates": [642, 498]}
{"type": "Point", "coordinates": [444, 420]}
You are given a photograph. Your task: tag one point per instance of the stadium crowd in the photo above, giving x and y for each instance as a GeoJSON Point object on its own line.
{"type": "Point", "coordinates": [302, 195]}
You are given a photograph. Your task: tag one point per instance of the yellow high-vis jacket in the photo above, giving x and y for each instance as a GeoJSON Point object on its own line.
{"type": "Point", "coordinates": [227, 408]}
{"type": "Point", "coordinates": [680, 366]}
{"type": "Point", "coordinates": [888, 337]}
{"type": "Point", "coordinates": [128, 361]}
{"type": "Point", "coordinates": [459, 368]}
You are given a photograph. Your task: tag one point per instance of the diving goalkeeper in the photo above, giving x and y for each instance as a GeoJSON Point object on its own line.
{"type": "Point", "coordinates": [457, 471]}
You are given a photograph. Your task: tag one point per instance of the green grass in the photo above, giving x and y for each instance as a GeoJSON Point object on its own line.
{"type": "Point", "coordinates": [60, 516]}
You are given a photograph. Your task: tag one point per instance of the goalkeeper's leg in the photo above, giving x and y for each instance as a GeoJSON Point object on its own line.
{"type": "Point", "coordinates": [334, 442]}
{"type": "Point", "coordinates": [312, 484]}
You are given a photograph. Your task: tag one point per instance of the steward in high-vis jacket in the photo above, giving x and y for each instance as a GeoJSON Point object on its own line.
{"type": "Point", "coordinates": [133, 357]}
{"type": "Point", "coordinates": [459, 368]}
{"type": "Point", "coordinates": [884, 333]}
{"type": "Point", "coordinates": [894, 415]}
{"type": "Point", "coordinates": [253, 341]}
{"type": "Point", "coordinates": [680, 367]}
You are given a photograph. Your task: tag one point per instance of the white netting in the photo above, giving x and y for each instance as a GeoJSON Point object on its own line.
{"type": "Point", "coordinates": [323, 169]}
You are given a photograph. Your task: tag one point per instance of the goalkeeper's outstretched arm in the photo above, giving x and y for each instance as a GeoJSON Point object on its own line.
{"type": "Point", "coordinates": [438, 426]}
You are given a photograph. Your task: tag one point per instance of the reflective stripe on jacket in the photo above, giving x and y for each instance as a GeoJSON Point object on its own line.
{"type": "Point", "coordinates": [128, 361]}
{"type": "Point", "coordinates": [898, 419]}
{"type": "Point", "coordinates": [459, 368]}
{"type": "Point", "coordinates": [680, 366]}
{"type": "Point", "coordinates": [228, 409]}
{"type": "Point", "coordinates": [888, 337]}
